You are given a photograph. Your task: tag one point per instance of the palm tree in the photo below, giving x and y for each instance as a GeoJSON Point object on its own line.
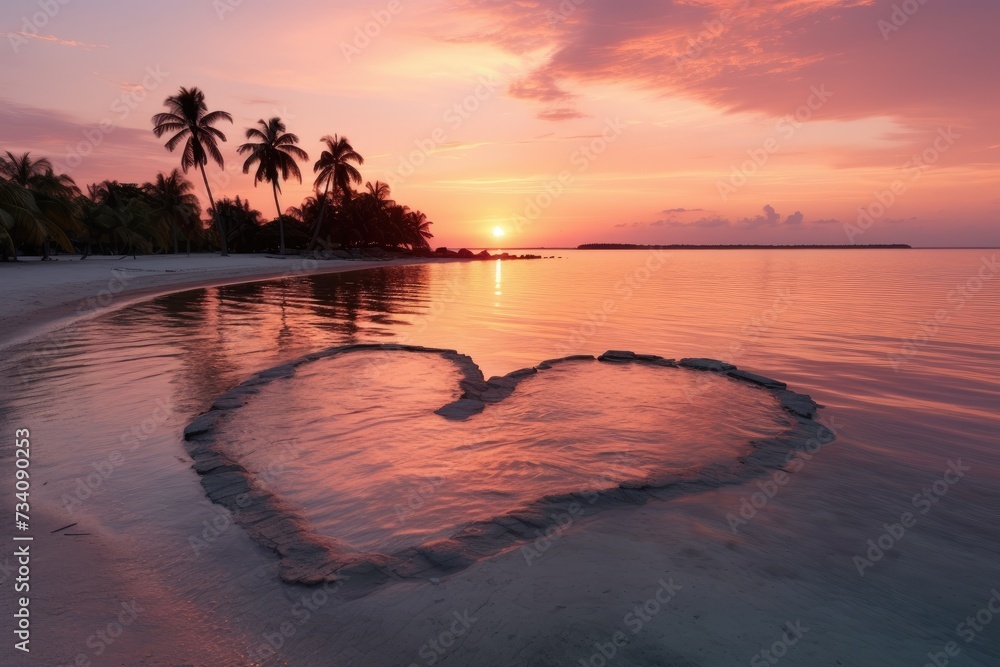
{"type": "Point", "coordinates": [418, 230]}
{"type": "Point", "coordinates": [190, 121]}
{"type": "Point", "coordinates": [130, 225]}
{"type": "Point", "coordinates": [18, 211]}
{"type": "Point", "coordinates": [274, 152]}
{"type": "Point", "coordinates": [174, 205]}
{"type": "Point", "coordinates": [91, 219]}
{"type": "Point", "coordinates": [242, 222]}
{"type": "Point", "coordinates": [54, 196]}
{"type": "Point", "coordinates": [376, 208]}
{"type": "Point", "coordinates": [123, 216]}
{"type": "Point", "coordinates": [334, 171]}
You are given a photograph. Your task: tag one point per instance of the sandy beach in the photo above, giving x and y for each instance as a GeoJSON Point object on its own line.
{"type": "Point", "coordinates": [41, 295]}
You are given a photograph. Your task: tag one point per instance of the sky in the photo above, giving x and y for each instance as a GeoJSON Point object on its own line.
{"type": "Point", "coordinates": [559, 121]}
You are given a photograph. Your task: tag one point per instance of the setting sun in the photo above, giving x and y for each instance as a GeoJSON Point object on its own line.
{"type": "Point", "coordinates": [498, 232]}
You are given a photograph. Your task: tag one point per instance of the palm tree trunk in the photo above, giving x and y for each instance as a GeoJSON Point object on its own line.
{"type": "Point", "coordinates": [319, 221]}
{"type": "Point", "coordinates": [45, 249]}
{"type": "Point", "coordinates": [281, 220]}
{"type": "Point", "coordinates": [215, 215]}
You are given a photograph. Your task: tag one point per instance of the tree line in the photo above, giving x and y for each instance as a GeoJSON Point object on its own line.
{"type": "Point", "coordinates": [41, 209]}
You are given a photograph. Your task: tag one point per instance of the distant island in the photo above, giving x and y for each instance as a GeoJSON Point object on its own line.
{"type": "Point", "coordinates": [737, 246]}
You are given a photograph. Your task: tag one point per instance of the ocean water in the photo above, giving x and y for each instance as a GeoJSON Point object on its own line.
{"type": "Point", "coordinates": [900, 347]}
{"type": "Point", "coordinates": [372, 465]}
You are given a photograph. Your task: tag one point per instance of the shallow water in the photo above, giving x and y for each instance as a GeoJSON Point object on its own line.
{"type": "Point", "coordinates": [371, 464]}
{"type": "Point", "coordinates": [905, 363]}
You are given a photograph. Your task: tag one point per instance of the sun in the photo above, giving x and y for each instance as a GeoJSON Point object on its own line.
{"type": "Point", "coordinates": [498, 232]}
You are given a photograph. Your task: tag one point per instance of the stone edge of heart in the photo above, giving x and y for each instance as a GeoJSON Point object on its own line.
{"type": "Point", "coordinates": [310, 559]}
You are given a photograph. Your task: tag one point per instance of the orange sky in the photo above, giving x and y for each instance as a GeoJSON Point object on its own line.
{"type": "Point", "coordinates": [561, 121]}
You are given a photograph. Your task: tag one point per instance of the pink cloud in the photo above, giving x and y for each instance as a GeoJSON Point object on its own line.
{"type": "Point", "coordinates": [926, 70]}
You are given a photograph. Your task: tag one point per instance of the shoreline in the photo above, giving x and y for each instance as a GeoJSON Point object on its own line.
{"type": "Point", "coordinates": [42, 297]}
{"type": "Point", "coordinates": [45, 297]}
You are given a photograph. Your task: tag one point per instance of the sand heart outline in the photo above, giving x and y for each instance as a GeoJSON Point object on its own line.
{"type": "Point", "coordinates": [308, 558]}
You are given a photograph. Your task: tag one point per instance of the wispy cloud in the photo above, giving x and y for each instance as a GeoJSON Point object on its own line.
{"type": "Point", "coordinates": [57, 40]}
{"type": "Point", "coordinates": [560, 113]}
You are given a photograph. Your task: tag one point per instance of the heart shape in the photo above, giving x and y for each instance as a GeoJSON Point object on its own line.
{"type": "Point", "coordinates": [308, 557]}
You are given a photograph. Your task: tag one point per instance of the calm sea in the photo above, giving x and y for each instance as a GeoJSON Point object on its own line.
{"type": "Point", "coordinates": [900, 347]}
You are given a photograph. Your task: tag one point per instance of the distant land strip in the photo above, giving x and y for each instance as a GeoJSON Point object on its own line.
{"type": "Point", "coordinates": [737, 246]}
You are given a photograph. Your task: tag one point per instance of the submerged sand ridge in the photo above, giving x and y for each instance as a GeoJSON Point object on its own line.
{"type": "Point", "coordinates": [783, 422]}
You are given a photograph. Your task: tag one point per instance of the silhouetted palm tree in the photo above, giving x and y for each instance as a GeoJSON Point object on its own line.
{"type": "Point", "coordinates": [335, 172]}
{"type": "Point", "coordinates": [376, 206]}
{"type": "Point", "coordinates": [130, 225]}
{"type": "Point", "coordinates": [418, 230]}
{"type": "Point", "coordinates": [90, 218]}
{"type": "Point", "coordinates": [23, 169]}
{"type": "Point", "coordinates": [174, 205]}
{"type": "Point", "coordinates": [379, 192]}
{"type": "Point", "coordinates": [18, 212]}
{"type": "Point", "coordinates": [190, 121]}
{"type": "Point", "coordinates": [274, 152]}
{"type": "Point", "coordinates": [243, 223]}
{"type": "Point", "coordinates": [54, 196]}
